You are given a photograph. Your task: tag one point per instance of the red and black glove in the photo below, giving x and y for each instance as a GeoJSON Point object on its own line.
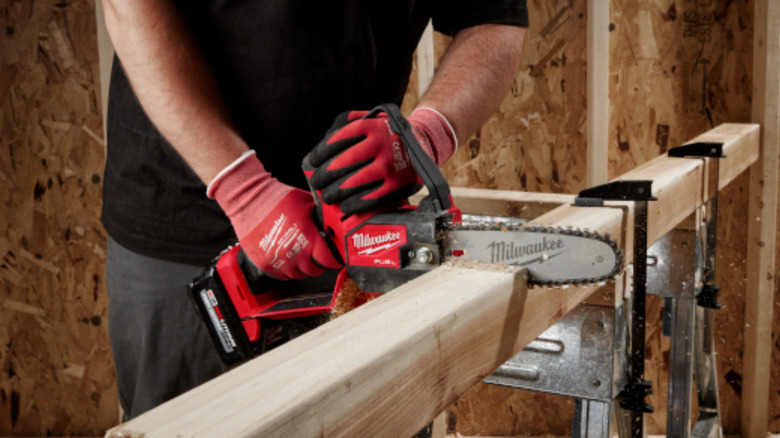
{"type": "Point", "coordinates": [363, 166]}
{"type": "Point", "coordinates": [274, 222]}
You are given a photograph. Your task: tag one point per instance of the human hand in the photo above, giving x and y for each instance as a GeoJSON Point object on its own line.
{"type": "Point", "coordinates": [362, 164]}
{"type": "Point", "coordinates": [274, 222]}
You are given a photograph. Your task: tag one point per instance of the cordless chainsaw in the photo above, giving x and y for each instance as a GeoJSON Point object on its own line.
{"type": "Point", "coordinates": [247, 312]}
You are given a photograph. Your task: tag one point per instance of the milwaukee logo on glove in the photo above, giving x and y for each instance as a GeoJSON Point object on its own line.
{"type": "Point", "coordinates": [400, 159]}
{"type": "Point", "coordinates": [289, 242]}
{"type": "Point", "coordinates": [376, 245]}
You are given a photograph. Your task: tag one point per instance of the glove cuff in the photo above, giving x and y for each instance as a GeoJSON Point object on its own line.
{"type": "Point", "coordinates": [435, 133]}
{"type": "Point", "coordinates": [218, 180]}
{"type": "Point", "coordinates": [246, 192]}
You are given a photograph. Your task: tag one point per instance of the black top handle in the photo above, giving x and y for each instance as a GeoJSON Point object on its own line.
{"type": "Point", "coordinates": [426, 168]}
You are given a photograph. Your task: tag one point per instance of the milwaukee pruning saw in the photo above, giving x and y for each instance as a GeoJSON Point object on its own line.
{"type": "Point", "coordinates": [247, 312]}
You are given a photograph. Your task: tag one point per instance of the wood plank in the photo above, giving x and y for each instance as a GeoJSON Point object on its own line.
{"type": "Point", "coordinates": [678, 183]}
{"type": "Point", "coordinates": [598, 92]}
{"type": "Point", "coordinates": [426, 60]}
{"type": "Point", "coordinates": [525, 205]}
{"type": "Point", "coordinates": [740, 145]}
{"type": "Point", "coordinates": [384, 369]}
{"type": "Point", "coordinates": [762, 223]}
{"type": "Point", "coordinates": [105, 60]}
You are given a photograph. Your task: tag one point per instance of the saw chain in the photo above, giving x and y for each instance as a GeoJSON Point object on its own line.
{"type": "Point", "coordinates": [507, 226]}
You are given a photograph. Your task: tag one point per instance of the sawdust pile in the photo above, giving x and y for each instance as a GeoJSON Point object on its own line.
{"type": "Point", "coordinates": [350, 296]}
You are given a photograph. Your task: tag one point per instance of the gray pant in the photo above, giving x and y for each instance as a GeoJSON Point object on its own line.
{"type": "Point", "coordinates": [161, 348]}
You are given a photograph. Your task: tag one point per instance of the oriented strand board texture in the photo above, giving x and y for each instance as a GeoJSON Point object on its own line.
{"type": "Point", "coordinates": [56, 374]}
{"type": "Point", "coordinates": [677, 69]}
{"type": "Point", "coordinates": [536, 141]}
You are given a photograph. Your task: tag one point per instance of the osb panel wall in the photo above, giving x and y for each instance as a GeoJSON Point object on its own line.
{"type": "Point", "coordinates": [536, 141]}
{"type": "Point", "coordinates": [56, 374]}
{"type": "Point", "coordinates": [677, 68]}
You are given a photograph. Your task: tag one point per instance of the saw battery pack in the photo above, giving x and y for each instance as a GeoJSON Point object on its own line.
{"type": "Point", "coordinates": [248, 313]}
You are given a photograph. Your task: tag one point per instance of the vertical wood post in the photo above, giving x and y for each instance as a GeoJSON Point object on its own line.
{"type": "Point", "coordinates": [105, 60]}
{"type": "Point", "coordinates": [762, 217]}
{"type": "Point", "coordinates": [598, 92]}
{"type": "Point", "coordinates": [425, 60]}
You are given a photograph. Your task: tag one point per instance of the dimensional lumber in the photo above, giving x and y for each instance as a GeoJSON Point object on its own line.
{"type": "Point", "coordinates": [598, 92]}
{"type": "Point", "coordinates": [426, 58]}
{"type": "Point", "coordinates": [382, 370]}
{"type": "Point", "coordinates": [105, 58]}
{"type": "Point", "coordinates": [525, 205]}
{"type": "Point", "coordinates": [762, 220]}
{"type": "Point", "coordinates": [678, 183]}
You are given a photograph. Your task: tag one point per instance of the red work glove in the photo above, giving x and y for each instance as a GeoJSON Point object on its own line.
{"type": "Point", "coordinates": [274, 222]}
{"type": "Point", "coordinates": [363, 166]}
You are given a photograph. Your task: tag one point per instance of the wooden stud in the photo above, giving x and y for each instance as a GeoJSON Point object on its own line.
{"type": "Point", "coordinates": [762, 222]}
{"type": "Point", "coordinates": [524, 205]}
{"type": "Point", "coordinates": [598, 92]}
{"type": "Point", "coordinates": [105, 60]}
{"type": "Point", "coordinates": [426, 58]}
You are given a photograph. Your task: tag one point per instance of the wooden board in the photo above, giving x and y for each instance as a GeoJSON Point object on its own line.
{"type": "Point", "coordinates": [762, 224]}
{"type": "Point", "coordinates": [679, 183]}
{"type": "Point", "coordinates": [598, 92]}
{"type": "Point", "coordinates": [525, 205]}
{"type": "Point", "coordinates": [382, 370]}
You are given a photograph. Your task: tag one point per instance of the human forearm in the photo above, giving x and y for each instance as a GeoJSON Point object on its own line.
{"type": "Point", "coordinates": [173, 83]}
{"type": "Point", "coordinates": [475, 74]}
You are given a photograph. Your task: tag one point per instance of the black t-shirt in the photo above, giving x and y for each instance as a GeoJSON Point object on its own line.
{"type": "Point", "coordinates": [285, 69]}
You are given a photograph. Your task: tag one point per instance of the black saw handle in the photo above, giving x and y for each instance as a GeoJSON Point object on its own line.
{"type": "Point", "coordinates": [426, 168]}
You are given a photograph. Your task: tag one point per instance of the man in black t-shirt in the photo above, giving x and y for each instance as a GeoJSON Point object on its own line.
{"type": "Point", "coordinates": [212, 106]}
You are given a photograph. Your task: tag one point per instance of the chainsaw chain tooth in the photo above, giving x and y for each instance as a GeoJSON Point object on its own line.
{"type": "Point", "coordinates": [568, 230]}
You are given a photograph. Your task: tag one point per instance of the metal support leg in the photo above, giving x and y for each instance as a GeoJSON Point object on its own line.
{"type": "Point", "coordinates": [676, 270]}
{"type": "Point", "coordinates": [681, 367]}
{"type": "Point", "coordinates": [637, 388]}
{"type": "Point", "coordinates": [592, 419]}
{"type": "Point", "coordinates": [708, 424]}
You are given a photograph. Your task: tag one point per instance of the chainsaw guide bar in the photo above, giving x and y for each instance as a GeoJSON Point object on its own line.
{"type": "Point", "coordinates": [554, 256]}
